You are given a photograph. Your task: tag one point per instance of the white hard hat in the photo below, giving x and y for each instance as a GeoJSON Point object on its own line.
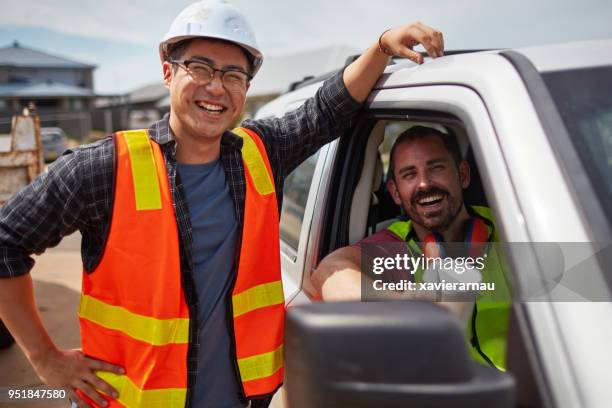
{"type": "Point", "coordinates": [213, 19]}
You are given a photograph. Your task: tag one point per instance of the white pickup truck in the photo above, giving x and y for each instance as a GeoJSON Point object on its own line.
{"type": "Point", "coordinates": [536, 126]}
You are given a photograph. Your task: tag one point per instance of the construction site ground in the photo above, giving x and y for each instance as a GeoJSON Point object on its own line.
{"type": "Point", "coordinates": [57, 283]}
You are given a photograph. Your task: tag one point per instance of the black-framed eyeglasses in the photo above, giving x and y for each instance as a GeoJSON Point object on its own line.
{"type": "Point", "coordinates": [203, 73]}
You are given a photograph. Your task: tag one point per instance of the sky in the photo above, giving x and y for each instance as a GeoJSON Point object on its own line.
{"type": "Point", "coordinates": [121, 37]}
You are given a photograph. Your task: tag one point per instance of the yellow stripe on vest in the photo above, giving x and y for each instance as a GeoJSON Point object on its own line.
{"type": "Point", "coordinates": [261, 365]}
{"type": "Point", "coordinates": [157, 332]}
{"type": "Point", "coordinates": [144, 173]}
{"type": "Point", "coordinates": [132, 396]}
{"type": "Point", "coordinates": [255, 163]}
{"type": "Point", "coordinates": [259, 296]}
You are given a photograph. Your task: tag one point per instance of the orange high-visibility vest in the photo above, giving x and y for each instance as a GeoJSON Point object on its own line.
{"type": "Point", "coordinates": [133, 311]}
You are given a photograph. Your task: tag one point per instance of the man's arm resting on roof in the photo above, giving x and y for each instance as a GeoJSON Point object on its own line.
{"type": "Point", "coordinates": [299, 133]}
{"type": "Point", "coordinates": [361, 76]}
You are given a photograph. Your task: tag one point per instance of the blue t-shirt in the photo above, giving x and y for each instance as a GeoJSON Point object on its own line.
{"type": "Point", "coordinates": [215, 232]}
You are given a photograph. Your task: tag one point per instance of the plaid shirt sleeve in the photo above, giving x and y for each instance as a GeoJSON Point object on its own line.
{"type": "Point", "coordinates": [291, 139]}
{"type": "Point", "coordinates": [74, 194]}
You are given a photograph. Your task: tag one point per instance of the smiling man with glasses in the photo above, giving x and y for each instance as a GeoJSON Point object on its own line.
{"type": "Point", "coordinates": [182, 301]}
{"type": "Point", "coordinates": [208, 80]}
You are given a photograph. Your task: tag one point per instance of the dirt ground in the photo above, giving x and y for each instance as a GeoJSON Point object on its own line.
{"type": "Point", "coordinates": [57, 283]}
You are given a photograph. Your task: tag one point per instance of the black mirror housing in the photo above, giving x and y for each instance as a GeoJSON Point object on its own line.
{"type": "Point", "coordinates": [385, 354]}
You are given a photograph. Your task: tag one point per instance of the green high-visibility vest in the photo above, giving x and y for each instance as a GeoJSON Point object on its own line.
{"type": "Point", "coordinates": [487, 330]}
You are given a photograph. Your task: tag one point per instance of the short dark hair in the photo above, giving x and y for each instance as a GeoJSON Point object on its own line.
{"type": "Point", "coordinates": [178, 49]}
{"type": "Point", "coordinates": [421, 132]}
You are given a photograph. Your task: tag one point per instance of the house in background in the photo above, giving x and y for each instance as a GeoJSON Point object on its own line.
{"type": "Point", "coordinates": [134, 110]}
{"type": "Point", "coordinates": [278, 73]}
{"type": "Point", "coordinates": [60, 88]}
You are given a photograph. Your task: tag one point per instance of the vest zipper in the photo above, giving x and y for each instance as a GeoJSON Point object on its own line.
{"type": "Point", "coordinates": [474, 339]}
{"type": "Point", "coordinates": [230, 315]}
{"type": "Point", "coordinates": [230, 323]}
{"type": "Point", "coordinates": [186, 273]}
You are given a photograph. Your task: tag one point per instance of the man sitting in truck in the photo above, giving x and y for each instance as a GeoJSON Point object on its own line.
{"type": "Point", "coordinates": [427, 177]}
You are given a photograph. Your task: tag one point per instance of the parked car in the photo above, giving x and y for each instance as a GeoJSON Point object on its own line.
{"type": "Point", "coordinates": [54, 142]}
{"type": "Point", "coordinates": [536, 126]}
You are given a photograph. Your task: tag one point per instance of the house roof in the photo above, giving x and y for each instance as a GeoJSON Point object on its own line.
{"type": "Point", "coordinates": [43, 90]}
{"type": "Point", "coordinates": [152, 93]}
{"type": "Point", "coordinates": [277, 73]}
{"type": "Point", "coordinates": [163, 103]}
{"type": "Point", "coordinates": [148, 93]}
{"type": "Point", "coordinates": [17, 55]}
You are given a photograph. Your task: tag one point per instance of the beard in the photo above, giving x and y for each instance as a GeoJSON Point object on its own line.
{"type": "Point", "coordinates": [436, 220]}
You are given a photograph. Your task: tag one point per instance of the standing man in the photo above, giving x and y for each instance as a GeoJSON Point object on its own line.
{"type": "Point", "coordinates": [182, 303]}
{"type": "Point", "coordinates": [426, 178]}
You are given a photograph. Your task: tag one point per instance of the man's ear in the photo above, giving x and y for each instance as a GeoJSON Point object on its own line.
{"type": "Point", "coordinates": [392, 188]}
{"type": "Point", "coordinates": [464, 174]}
{"type": "Point", "coordinates": [167, 70]}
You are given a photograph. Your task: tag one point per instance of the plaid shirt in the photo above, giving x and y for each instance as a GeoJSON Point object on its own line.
{"type": "Point", "coordinates": [77, 191]}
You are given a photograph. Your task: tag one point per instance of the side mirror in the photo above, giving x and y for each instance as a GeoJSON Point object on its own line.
{"type": "Point", "coordinates": [385, 354]}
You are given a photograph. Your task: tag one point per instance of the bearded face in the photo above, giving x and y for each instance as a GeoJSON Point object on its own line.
{"type": "Point", "coordinates": [428, 183]}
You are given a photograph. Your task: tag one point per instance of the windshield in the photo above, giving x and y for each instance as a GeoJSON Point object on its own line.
{"type": "Point", "coordinates": [50, 137]}
{"type": "Point", "coordinates": [584, 100]}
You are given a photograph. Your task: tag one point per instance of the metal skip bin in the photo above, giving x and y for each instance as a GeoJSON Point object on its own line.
{"type": "Point", "coordinates": [20, 154]}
